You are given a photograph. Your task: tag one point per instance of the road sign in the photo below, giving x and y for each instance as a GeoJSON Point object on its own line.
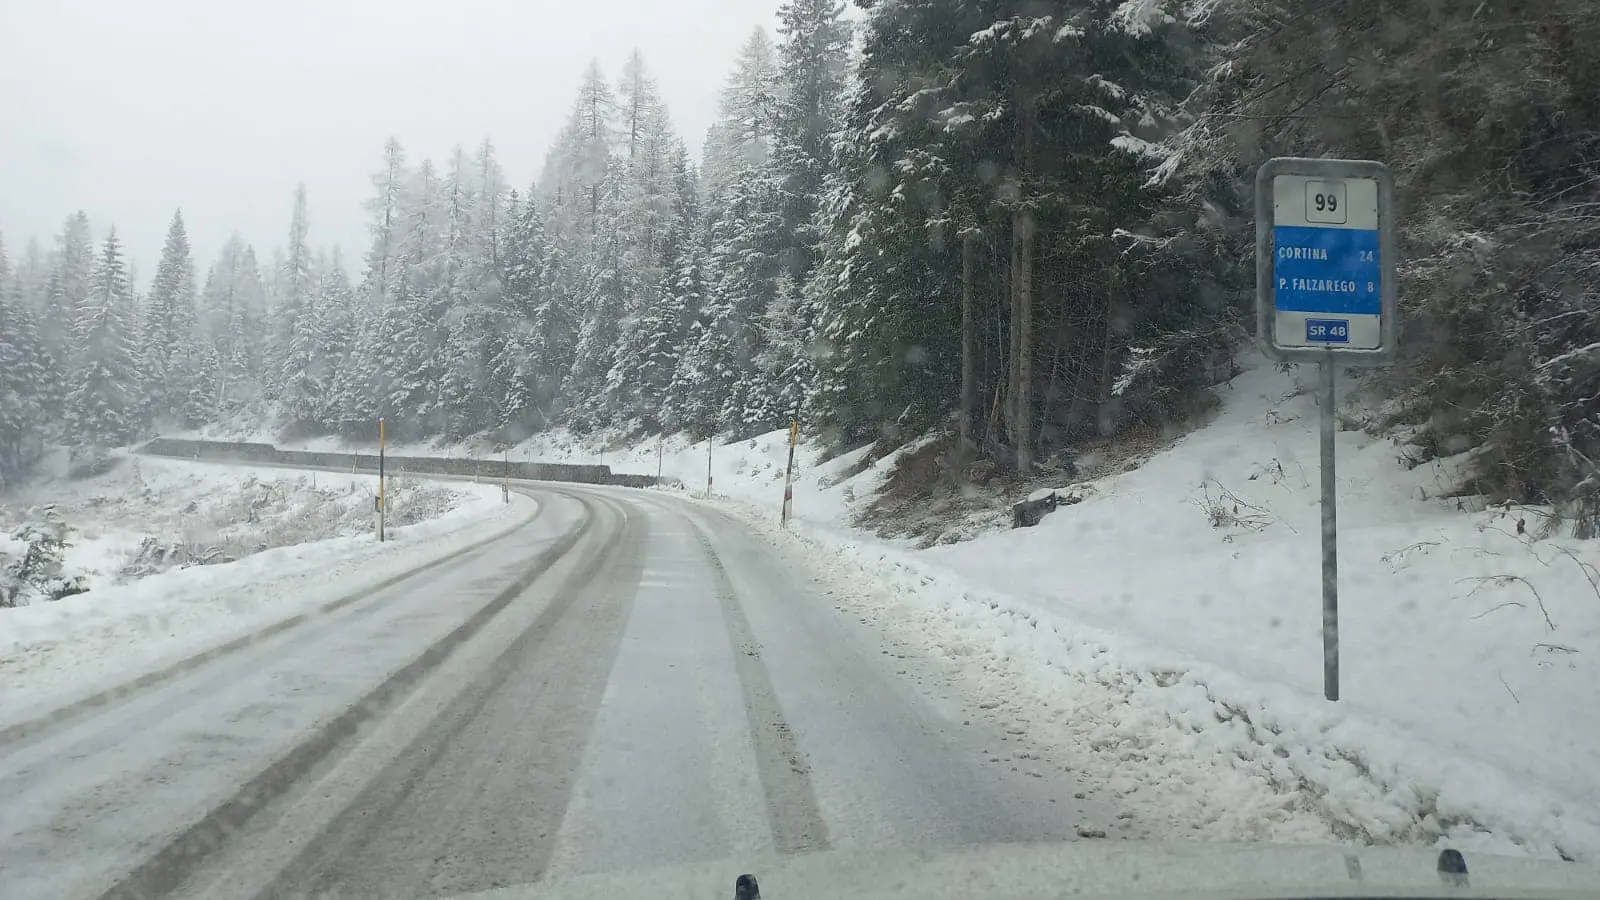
{"type": "Point", "coordinates": [1325, 293]}
{"type": "Point", "coordinates": [1325, 257]}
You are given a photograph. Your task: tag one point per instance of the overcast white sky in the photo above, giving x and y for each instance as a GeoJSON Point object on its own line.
{"type": "Point", "coordinates": [128, 109]}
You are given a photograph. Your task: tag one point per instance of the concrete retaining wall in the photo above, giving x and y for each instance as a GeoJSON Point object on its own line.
{"type": "Point", "coordinates": [241, 452]}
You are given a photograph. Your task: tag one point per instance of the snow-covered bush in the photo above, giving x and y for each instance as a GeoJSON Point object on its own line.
{"type": "Point", "coordinates": [88, 461]}
{"type": "Point", "coordinates": [30, 563]}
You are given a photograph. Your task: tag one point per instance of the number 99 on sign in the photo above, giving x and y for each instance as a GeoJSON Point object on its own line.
{"type": "Point", "coordinates": [1327, 331]}
{"type": "Point", "coordinates": [1325, 202]}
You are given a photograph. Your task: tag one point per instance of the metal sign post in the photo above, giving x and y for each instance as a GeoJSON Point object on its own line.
{"type": "Point", "coordinates": [1325, 293]}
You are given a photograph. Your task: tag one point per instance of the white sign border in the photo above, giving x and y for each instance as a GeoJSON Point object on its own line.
{"type": "Point", "coordinates": [1266, 294]}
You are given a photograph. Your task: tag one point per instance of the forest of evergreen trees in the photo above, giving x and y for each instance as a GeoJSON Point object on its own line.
{"type": "Point", "coordinates": [1024, 221]}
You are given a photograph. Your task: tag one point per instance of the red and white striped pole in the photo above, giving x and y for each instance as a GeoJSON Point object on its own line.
{"type": "Point", "coordinates": [788, 472]}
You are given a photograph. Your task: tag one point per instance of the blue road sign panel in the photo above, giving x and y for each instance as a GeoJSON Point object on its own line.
{"type": "Point", "coordinates": [1325, 253]}
{"type": "Point", "coordinates": [1327, 270]}
{"type": "Point", "coordinates": [1327, 331]}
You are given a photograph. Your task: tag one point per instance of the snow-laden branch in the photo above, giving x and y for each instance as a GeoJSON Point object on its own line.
{"type": "Point", "coordinates": [1588, 353]}
{"type": "Point", "coordinates": [1140, 17]}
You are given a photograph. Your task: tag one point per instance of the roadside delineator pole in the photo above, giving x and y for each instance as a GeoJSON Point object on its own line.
{"type": "Point", "coordinates": [661, 453]}
{"type": "Point", "coordinates": [505, 483]}
{"type": "Point", "coordinates": [381, 502]}
{"type": "Point", "coordinates": [709, 441]}
{"type": "Point", "coordinates": [788, 472]}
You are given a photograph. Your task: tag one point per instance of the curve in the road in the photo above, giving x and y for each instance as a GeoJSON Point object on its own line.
{"type": "Point", "coordinates": [654, 687]}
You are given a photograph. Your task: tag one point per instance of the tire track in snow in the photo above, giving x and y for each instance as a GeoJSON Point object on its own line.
{"type": "Point", "coordinates": [792, 810]}
{"type": "Point", "coordinates": [486, 784]}
{"type": "Point", "coordinates": [167, 870]}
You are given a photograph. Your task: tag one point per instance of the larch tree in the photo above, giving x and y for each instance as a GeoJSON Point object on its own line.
{"type": "Point", "coordinates": [385, 208]}
{"type": "Point", "coordinates": [357, 397]}
{"type": "Point", "coordinates": [601, 306]}
{"type": "Point", "coordinates": [650, 208]}
{"type": "Point", "coordinates": [575, 323]}
{"type": "Point", "coordinates": [461, 388]}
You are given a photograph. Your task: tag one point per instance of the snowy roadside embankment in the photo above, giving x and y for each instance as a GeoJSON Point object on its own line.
{"type": "Point", "coordinates": [178, 557]}
{"type": "Point", "coordinates": [1170, 623]}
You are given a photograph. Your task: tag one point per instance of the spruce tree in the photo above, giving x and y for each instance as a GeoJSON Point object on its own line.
{"type": "Point", "coordinates": [104, 393]}
{"type": "Point", "coordinates": [299, 379]}
{"type": "Point", "coordinates": [813, 66]}
{"type": "Point", "coordinates": [742, 251]}
{"type": "Point", "coordinates": [169, 361]}
{"type": "Point", "coordinates": [23, 371]}
{"type": "Point", "coordinates": [517, 366]}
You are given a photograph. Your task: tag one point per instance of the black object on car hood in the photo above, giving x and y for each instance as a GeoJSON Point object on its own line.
{"type": "Point", "coordinates": [1122, 870]}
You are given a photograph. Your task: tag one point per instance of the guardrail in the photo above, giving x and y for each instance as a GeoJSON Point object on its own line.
{"type": "Point", "coordinates": [267, 454]}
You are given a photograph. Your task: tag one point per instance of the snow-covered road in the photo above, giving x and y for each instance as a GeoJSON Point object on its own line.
{"type": "Point", "coordinates": [627, 680]}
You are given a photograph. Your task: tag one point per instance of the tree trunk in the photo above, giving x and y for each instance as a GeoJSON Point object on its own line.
{"type": "Point", "coordinates": [969, 349]}
{"type": "Point", "coordinates": [1022, 240]}
{"type": "Point", "coordinates": [996, 371]}
{"type": "Point", "coordinates": [1104, 392]}
{"type": "Point", "coordinates": [1022, 432]}
{"type": "Point", "coordinates": [1014, 354]}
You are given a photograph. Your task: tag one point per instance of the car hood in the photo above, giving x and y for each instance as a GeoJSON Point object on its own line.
{"type": "Point", "coordinates": [1123, 870]}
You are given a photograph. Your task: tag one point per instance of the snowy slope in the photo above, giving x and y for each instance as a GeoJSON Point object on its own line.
{"type": "Point", "coordinates": [1467, 651]}
{"type": "Point", "coordinates": [308, 538]}
{"type": "Point", "coordinates": [1173, 644]}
